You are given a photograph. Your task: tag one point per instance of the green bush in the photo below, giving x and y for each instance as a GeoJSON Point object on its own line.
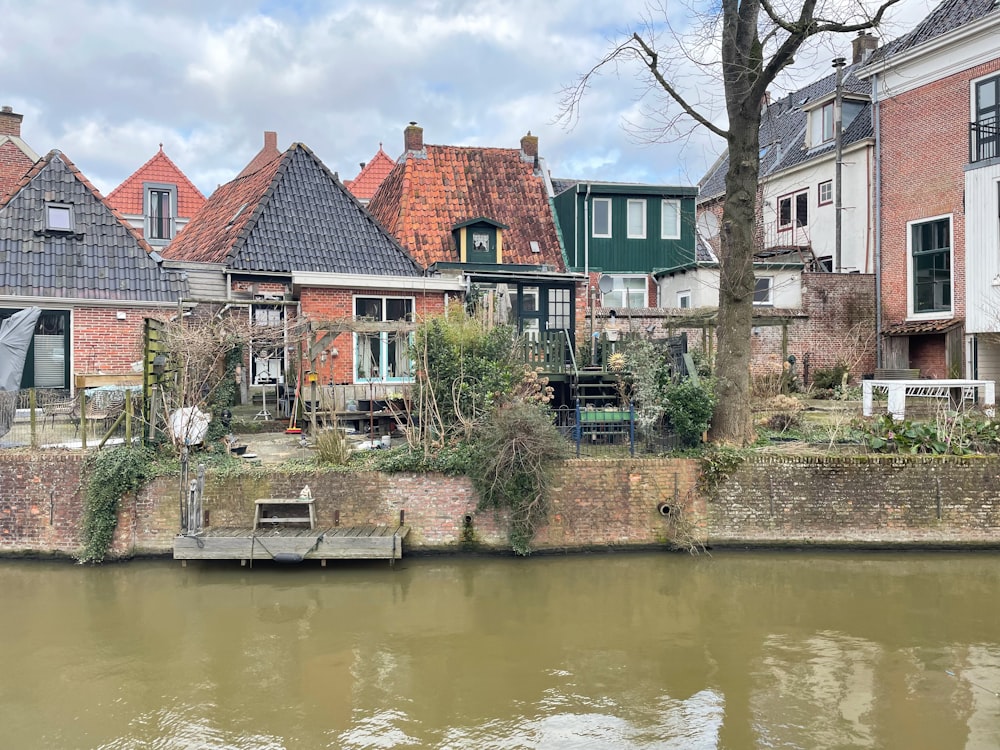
{"type": "Point", "coordinates": [689, 408]}
{"type": "Point", "coordinates": [332, 447]}
{"type": "Point", "coordinates": [828, 378]}
{"type": "Point", "coordinates": [112, 474]}
{"type": "Point", "coordinates": [950, 433]}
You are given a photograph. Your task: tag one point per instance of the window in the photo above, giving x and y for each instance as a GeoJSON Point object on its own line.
{"type": "Point", "coordinates": [821, 125]}
{"type": "Point", "coordinates": [627, 292]}
{"type": "Point", "coordinates": [762, 290]}
{"type": "Point", "coordinates": [793, 211]}
{"type": "Point", "coordinates": [826, 192]}
{"type": "Point", "coordinates": [48, 357]}
{"type": "Point", "coordinates": [985, 127]}
{"type": "Point", "coordinates": [58, 217]}
{"type": "Point", "coordinates": [381, 356]}
{"type": "Point", "coordinates": [684, 299]}
{"type": "Point", "coordinates": [160, 209]}
{"type": "Point", "coordinates": [930, 250]}
{"type": "Point", "coordinates": [637, 219]}
{"type": "Point", "coordinates": [670, 220]}
{"type": "Point", "coordinates": [602, 217]}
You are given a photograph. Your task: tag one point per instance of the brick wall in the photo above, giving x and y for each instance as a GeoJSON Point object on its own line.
{"type": "Point", "coordinates": [13, 166]}
{"type": "Point", "coordinates": [859, 501]}
{"type": "Point", "coordinates": [596, 503]}
{"type": "Point", "coordinates": [102, 343]}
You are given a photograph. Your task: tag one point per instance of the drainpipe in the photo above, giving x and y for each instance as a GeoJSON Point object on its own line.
{"type": "Point", "coordinates": [877, 109]}
{"type": "Point", "coordinates": [838, 131]}
{"type": "Point", "coordinates": [586, 266]}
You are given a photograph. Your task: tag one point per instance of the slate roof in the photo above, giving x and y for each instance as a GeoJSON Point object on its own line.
{"type": "Point", "coordinates": [291, 215]}
{"type": "Point", "coordinates": [363, 186]}
{"type": "Point", "coordinates": [783, 131]}
{"type": "Point", "coordinates": [128, 197]}
{"type": "Point", "coordinates": [947, 16]}
{"type": "Point", "coordinates": [429, 192]}
{"type": "Point", "coordinates": [103, 259]}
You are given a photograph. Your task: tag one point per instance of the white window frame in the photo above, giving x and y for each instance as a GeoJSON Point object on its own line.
{"type": "Point", "coordinates": [628, 218]}
{"type": "Point", "coordinates": [820, 200]}
{"type": "Point", "coordinates": [682, 297]}
{"type": "Point", "coordinates": [793, 199]}
{"type": "Point", "coordinates": [670, 232]}
{"type": "Point", "coordinates": [622, 290]}
{"type": "Point", "coordinates": [65, 208]}
{"type": "Point", "coordinates": [770, 291]}
{"type": "Point", "coordinates": [264, 313]}
{"type": "Point", "coordinates": [384, 366]}
{"type": "Point", "coordinates": [606, 204]}
{"type": "Point", "coordinates": [817, 124]}
{"type": "Point", "coordinates": [910, 297]}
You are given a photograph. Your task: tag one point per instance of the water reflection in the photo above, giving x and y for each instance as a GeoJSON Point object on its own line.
{"type": "Point", "coordinates": [626, 651]}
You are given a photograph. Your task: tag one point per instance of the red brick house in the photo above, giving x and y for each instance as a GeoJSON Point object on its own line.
{"type": "Point", "coordinates": [63, 248]}
{"type": "Point", "coordinates": [936, 93]}
{"type": "Point", "coordinates": [288, 243]}
{"type": "Point", "coordinates": [157, 199]}
{"type": "Point", "coordinates": [372, 173]}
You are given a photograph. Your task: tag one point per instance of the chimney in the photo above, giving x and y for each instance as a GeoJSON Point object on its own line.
{"type": "Point", "coordinates": [529, 147]}
{"type": "Point", "coordinates": [270, 140]}
{"type": "Point", "coordinates": [863, 45]}
{"type": "Point", "coordinates": [413, 137]}
{"type": "Point", "coordinates": [10, 122]}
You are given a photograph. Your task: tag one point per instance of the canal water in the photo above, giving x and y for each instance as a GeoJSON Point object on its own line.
{"type": "Point", "coordinates": [729, 650]}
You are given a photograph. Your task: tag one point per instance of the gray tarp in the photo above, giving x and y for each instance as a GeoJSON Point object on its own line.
{"type": "Point", "coordinates": [15, 338]}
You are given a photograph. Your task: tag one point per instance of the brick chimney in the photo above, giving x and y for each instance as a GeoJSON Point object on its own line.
{"type": "Point", "coordinates": [270, 140]}
{"type": "Point", "coordinates": [529, 147]}
{"type": "Point", "coordinates": [10, 122]}
{"type": "Point", "coordinates": [413, 137]}
{"type": "Point", "coordinates": [863, 45]}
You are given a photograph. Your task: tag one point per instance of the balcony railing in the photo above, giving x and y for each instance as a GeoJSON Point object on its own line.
{"type": "Point", "coordinates": [984, 140]}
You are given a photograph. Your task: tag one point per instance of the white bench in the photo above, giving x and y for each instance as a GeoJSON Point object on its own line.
{"type": "Point", "coordinates": [898, 390]}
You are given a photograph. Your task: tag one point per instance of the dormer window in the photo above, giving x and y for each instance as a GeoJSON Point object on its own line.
{"type": "Point", "coordinates": [59, 217]}
{"type": "Point", "coordinates": [821, 120]}
{"type": "Point", "coordinates": [479, 240]}
{"type": "Point", "coordinates": [160, 209]}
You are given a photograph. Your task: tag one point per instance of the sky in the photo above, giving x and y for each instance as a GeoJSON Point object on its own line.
{"type": "Point", "coordinates": [107, 82]}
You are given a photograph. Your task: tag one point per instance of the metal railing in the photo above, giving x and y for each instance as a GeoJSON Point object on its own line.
{"type": "Point", "coordinates": [984, 140]}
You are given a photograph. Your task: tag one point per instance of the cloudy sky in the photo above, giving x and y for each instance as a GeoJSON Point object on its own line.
{"type": "Point", "coordinates": [107, 82]}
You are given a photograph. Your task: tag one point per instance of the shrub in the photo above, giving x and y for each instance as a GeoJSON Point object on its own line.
{"type": "Point", "coordinates": [331, 447]}
{"type": "Point", "coordinates": [828, 378]}
{"type": "Point", "coordinates": [112, 474]}
{"type": "Point", "coordinates": [689, 408]}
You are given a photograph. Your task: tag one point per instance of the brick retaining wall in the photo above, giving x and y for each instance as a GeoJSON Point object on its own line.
{"type": "Point", "coordinates": [596, 503]}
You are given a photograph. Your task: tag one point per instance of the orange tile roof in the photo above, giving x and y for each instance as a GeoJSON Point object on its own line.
{"type": "Point", "coordinates": [128, 197]}
{"type": "Point", "coordinates": [371, 175]}
{"type": "Point", "coordinates": [265, 156]}
{"type": "Point", "coordinates": [214, 231]}
{"type": "Point", "coordinates": [429, 192]}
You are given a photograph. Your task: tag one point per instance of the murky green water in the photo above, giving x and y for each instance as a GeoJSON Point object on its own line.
{"type": "Point", "coordinates": [620, 651]}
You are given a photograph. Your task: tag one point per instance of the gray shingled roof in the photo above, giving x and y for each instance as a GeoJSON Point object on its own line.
{"type": "Point", "coordinates": [946, 17]}
{"type": "Point", "coordinates": [783, 131]}
{"type": "Point", "coordinates": [101, 260]}
{"type": "Point", "coordinates": [300, 219]}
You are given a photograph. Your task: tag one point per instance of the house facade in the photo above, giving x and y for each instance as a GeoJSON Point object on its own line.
{"type": "Point", "coordinates": [484, 216]}
{"type": "Point", "coordinates": [63, 248]}
{"type": "Point", "coordinates": [16, 156]}
{"type": "Point", "coordinates": [289, 246]}
{"type": "Point", "coordinates": [622, 234]}
{"type": "Point", "coordinates": [936, 93]}
{"type": "Point", "coordinates": [372, 173]}
{"type": "Point", "coordinates": [157, 199]}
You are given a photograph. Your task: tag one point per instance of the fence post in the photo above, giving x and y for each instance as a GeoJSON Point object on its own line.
{"type": "Point", "coordinates": [577, 429]}
{"type": "Point", "coordinates": [631, 428]}
{"type": "Point", "coordinates": [32, 416]}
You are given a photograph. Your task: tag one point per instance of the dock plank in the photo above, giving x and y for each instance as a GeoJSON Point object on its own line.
{"type": "Point", "coordinates": [332, 543]}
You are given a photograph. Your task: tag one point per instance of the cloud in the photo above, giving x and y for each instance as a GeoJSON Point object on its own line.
{"type": "Point", "coordinates": [107, 82]}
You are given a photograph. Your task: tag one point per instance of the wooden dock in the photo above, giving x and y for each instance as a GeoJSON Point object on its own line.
{"type": "Point", "coordinates": [284, 544]}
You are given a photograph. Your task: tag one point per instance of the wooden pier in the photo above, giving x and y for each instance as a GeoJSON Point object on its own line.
{"type": "Point", "coordinates": [284, 544]}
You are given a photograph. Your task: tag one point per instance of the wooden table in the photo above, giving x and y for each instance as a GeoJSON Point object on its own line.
{"type": "Point", "coordinates": [265, 503]}
{"type": "Point", "coordinates": [898, 390]}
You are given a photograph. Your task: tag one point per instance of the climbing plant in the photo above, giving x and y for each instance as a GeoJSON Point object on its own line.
{"type": "Point", "coordinates": [111, 474]}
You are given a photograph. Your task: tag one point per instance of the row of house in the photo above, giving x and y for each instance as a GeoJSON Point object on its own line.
{"type": "Point", "coordinates": [912, 171]}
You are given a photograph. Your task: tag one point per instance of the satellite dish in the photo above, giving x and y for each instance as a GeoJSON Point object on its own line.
{"type": "Point", "coordinates": [606, 284]}
{"type": "Point", "coordinates": [708, 224]}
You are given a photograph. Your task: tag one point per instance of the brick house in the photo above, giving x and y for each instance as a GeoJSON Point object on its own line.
{"type": "Point", "coordinates": [157, 199]}
{"type": "Point", "coordinates": [63, 248]}
{"type": "Point", "coordinates": [287, 243]}
{"type": "Point", "coordinates": [936, 93]}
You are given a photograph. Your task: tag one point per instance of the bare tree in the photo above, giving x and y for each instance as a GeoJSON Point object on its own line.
{"type": "Point", "coordinates": [755, 41]}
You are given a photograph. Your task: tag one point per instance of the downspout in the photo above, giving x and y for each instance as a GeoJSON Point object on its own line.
{"type": "Point", "coordinates": [877, 109]}
{"type": "Point", "coordinates": [586, 268]}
